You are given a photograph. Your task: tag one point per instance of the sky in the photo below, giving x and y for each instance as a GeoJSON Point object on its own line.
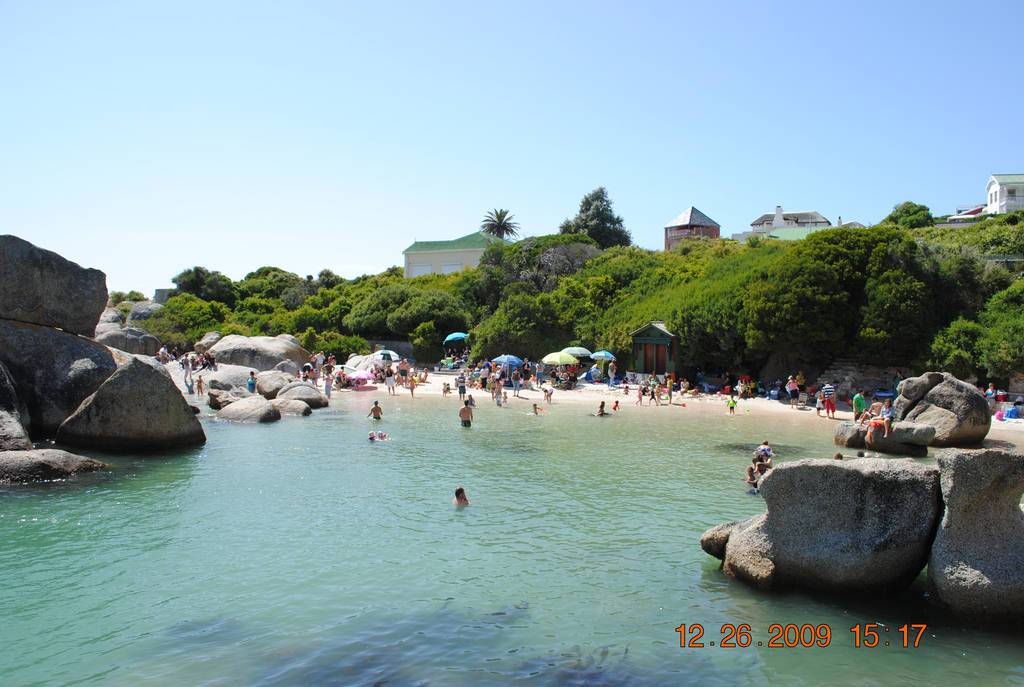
{"type": "Point", "coordinates": [145, 138]}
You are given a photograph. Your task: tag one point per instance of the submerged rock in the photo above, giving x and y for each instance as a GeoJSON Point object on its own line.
{"type": "Point", "coordinates": [976, 567]}
{"type": "Point", "coordinates": [251, 409]}
{"type": "Point", "coordinates": [40, 287]}
{"type": "Point", "coordinates": [305, 392]}
{"type": "Point", "coordinates": [43, 464]}
{"type": "Point", "coordinates": [858, 525]}
{"type": "Point", "coordinates": [289, 406]}
{"type": "Point", "coordinates": [137, 408]}
{"type": "Point", "coordinates": [270, 383]}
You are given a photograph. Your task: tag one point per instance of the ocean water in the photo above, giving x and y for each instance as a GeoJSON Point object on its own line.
{"type": "Point", "coordinates": [299, 553]}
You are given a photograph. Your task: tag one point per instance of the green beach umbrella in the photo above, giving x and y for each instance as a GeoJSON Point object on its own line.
{"type": "Point", "coordinates": [559, 358]}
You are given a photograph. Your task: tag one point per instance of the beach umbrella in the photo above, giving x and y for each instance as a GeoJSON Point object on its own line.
{"type": "Point", "coordinates": [577, 351]}
{"type": "Point", "coordinates": [360, 374]}
{"type": "Point", "coordinates": [455, 336]}
{"type": "Point", "coordinates": [386, 354]}
{"type": "Point", "coordinates": [559, 358]}
{"type": "Point", "coordinates": [508, 360]}
{"type": "Point", "coordinates": [602, 355]}
{"type": "Point", "coordinates": [348, 369]}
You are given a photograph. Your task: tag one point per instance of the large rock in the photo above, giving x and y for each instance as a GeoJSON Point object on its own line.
{"type": "Point", "coordinates": [858, 525]}
{"type": "Point", "coordinates": [289, 338]}
{"type": "Point", "coordinates": [43, 464]}
{"type": "Point", "coordinates": [289, 406]}
{"type": "Point", "coordinates": [257, 352]}
{"type": "Point", "coordinates": [957, 410]}
{"type": "Point", "coordinates": [905, 439]}
{"type": "Point", "coordinates": [251, 409]}
{"type": "Point", "coordinates": [976, 566]}
{"type": "Point", "coordinates": [112, 316]}
{"type": "Point", "coordinates": [204, 344]}
{"type": "Point", "coordinates": [228, 377]}
{"type": "Point", "coordinates": [269, 383]}
{"type": "Point", "coordinates": [849, 435]}
{"type": "Point", "coordinates": [143, 311]}
{"type": "Point", "coordinates": [53, 371]}
{"type": "Point", "coordinates": [130, 340]}
{"type": "Point", "coordinates": [40, 287]}
{"type": "Point", "coordinates": [137, 408]}
{"type": "Point", "coordinates": [289, 367]}
{"type": "Point", "coordinates": [13, 436]}
{"type": "Point", "coordinates": [304, 392]}
{"type": "Point", "coordinates": [221, 398]}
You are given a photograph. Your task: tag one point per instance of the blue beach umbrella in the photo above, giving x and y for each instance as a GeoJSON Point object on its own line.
{"type": "Point", "coordinates": [602, 355]}
{"type": "Point", "coordinates": [455, 336]}
{"type": "Point", "coordinates": [508, 360]}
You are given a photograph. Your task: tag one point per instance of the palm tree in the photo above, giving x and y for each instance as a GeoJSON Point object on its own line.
{"type": "Point", "coordinates": [499, 223]}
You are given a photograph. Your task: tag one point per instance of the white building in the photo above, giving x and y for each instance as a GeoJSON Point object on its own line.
{"type": "Point", "coordinates": [779, 219]}
{"type": "Point", "coordinates": [1005, 193]}
{"type": "Point", "coordinates": [442, 257]}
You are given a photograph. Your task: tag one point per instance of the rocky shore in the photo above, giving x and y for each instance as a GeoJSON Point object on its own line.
{"type": "Point", "coordinates": [56, 383]}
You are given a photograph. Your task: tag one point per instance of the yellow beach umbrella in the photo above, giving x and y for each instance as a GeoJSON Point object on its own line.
{"type": "Point", "coordinates": [559, 358]}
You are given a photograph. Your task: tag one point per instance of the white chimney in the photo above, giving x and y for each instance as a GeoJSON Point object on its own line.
{"type": "Point", "coordinates": [778, 221]}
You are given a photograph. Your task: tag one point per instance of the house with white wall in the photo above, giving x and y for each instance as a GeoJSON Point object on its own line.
{"type": "Point", "coordinates": [442, 257]}
{"type": "Point", "coordinates": [779, 219]}
{"type": "Point", "coordinates": [1005, 193]}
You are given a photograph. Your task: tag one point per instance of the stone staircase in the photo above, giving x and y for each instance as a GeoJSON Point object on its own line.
{"type": "Point", "coordinates": [850, 376]}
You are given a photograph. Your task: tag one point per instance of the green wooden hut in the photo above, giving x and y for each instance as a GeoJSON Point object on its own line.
{"type": "Point", "coordinates": [655, 349]}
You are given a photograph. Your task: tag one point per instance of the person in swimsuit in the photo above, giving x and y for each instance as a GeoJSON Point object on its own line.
{"type": "Point", "coordinates": [466, 414]}
{"type": "Point", "coordinates": [601, 410]}
{"type": "Point", "coordinates": [375, 411]}
{"type": "Point", "coordinates": [389, 380]}
{"type": "Point", "coordinates": [460, 499]}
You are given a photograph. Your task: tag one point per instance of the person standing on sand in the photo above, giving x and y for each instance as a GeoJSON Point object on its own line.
{"type": "Point", "coordinates": [611, 373]}
{"type": "Point", "coordinates": [460, 381]}
{"type": "Point", "coordinates": [466, 414]}
{"type": "Point", "coordinates": [389, 380]}
{"type": "Point", "coordinates": [794, 392]}
{"type": "Point", "coordinates": [860, 403]}
{"type": "Point", "coordinates": [828, 394]}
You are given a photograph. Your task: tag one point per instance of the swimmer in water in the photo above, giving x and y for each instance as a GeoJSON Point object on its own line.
{"type": "Point", "coordinates": [460, 499]}
{"type": "Point", "coordinates": [375, 411]}
{"type": "Point", "coordinates": [382, 436]}
{"type": "Point", "coordinates": [373, 436]}
{"type": "Point", "coordinates": [600, 410]}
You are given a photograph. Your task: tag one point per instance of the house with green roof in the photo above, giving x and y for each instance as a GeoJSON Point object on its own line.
{"type": "Point", "coordinates": [442, 257]}
{"type": "Point", "coordinates": [1005, 193]}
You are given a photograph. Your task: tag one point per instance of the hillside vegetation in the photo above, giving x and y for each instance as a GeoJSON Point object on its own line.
{"type": "Point", "coordinates": [902, 293]}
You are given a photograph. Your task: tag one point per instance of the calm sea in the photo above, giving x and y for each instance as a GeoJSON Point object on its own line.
{"type": "Point", "coordinates": [299, 553]}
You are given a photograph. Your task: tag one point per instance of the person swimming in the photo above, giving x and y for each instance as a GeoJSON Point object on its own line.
{"type": "Point", "coordinates": [373, 436]}
{"type": "Point", "coordinates": [383, 436]}
{"type": "Point", "coordinates": [460, 499]}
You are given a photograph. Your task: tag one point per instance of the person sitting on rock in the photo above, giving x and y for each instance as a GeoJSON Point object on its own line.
{"type": "Point", "coordinates": [887, 414]}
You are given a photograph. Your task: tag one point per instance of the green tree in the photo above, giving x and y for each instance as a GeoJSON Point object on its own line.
{"type": "Point", "coordinates": [207, 285]}
{"type": "Point", "coordinates": [910, 215]}
{"type": "Point", "coordinates": [499, 223]}
{"type": "Point", "coordinates": [597, 220]}
{"type": "Point", "coordinates": [955, 349]}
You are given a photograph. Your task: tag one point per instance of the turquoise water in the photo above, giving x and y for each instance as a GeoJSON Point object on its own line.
{"type": "Point", "coordinates": [300, 554]}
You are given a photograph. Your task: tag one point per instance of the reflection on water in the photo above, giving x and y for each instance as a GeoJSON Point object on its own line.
{"type": "Point", "coordinates": [299, 553]}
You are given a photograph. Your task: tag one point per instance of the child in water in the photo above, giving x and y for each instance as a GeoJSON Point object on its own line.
{"type": "Point", "coordinates": [616, 406]}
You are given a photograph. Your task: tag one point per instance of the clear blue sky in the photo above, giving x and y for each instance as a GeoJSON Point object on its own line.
{"type": "Point", "coordinates": [142, 138]}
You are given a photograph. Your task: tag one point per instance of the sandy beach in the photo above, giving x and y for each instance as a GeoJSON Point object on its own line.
{"type": "Point", "coordinates": [1005, 434]}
